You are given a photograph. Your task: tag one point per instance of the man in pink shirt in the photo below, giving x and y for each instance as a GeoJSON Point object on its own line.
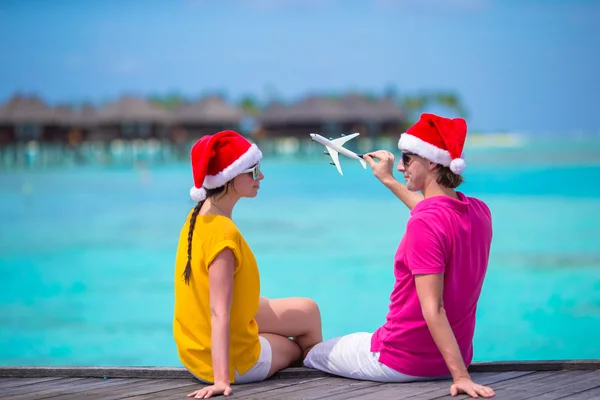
{"type": "Point", "coordinates": [439, 269]}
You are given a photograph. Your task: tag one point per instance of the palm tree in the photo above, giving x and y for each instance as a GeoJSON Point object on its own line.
{"type": "Point", "coordinates": [414, 105]}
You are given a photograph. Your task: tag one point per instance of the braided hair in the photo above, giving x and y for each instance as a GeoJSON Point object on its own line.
{"type": "Point", "coordinates": [187, 273]}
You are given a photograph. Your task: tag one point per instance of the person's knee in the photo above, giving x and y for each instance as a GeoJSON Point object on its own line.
{"type": "Point", "coordinates": [310, 306]}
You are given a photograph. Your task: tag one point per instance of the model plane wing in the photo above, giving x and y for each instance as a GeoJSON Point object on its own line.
{"type": "Point", "coordinates": [341, 140]}
{"type": "Point", "coordinates": [335, 158]}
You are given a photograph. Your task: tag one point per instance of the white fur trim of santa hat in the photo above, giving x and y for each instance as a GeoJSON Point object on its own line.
{"type": "Point", "coordinates": [197, 194]}
{"type": "Point", "coordinates": [250, 158]}
{"type": "Point", "coordinates": [426, 150]}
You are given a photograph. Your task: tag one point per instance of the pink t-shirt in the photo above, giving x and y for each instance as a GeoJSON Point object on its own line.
{"type": "Point", "coordinates": [443, 235]}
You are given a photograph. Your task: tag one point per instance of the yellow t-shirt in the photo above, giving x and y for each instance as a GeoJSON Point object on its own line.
{"type": "Point", "coordinates": [192, 319]}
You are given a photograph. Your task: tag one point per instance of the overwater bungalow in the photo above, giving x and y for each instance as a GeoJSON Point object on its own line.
{"type": "Point", "coordinates": [24, 118]}
{"type": "Point", "coordinates": [351, 113]}
{"type": "Point", "coordinates": [206, 116]}
{"type": "Point", "coordinates": [131, 118]}
{"type": "Point", "coordinates": [79, 123]}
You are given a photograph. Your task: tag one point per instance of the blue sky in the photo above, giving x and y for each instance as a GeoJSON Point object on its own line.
{"type": "Point", "coordinates": [520, 65]}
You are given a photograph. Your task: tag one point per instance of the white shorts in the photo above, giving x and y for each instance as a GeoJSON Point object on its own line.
{"type": "Point", "coordinates": [350, 356]}
{"type": "Point", "coordinates": [259, 371]}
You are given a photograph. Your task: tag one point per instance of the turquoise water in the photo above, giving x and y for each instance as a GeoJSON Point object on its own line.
{"type": "Point", "coordinates": [86, 254]}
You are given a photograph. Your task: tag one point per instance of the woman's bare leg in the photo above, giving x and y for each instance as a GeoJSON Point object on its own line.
{"type": "Point", "coordinates": [295, 317]}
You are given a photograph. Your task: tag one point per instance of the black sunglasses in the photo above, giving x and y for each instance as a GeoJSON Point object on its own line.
{"type": "Point", "coordinates": [406, 157]}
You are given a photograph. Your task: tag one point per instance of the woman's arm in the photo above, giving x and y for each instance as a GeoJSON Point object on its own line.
{"type": "Point", "coordinates": [430, 289]}
{"type": "Point", "coordinates": [220, 276]}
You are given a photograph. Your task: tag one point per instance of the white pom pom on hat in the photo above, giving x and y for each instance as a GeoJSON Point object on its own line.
{"type": "Point", "coordinates": [457, 166]}
{"type": "Point", "coordinates": [438, 139]}
{"type": "Point", "coordinates": [197, 194]}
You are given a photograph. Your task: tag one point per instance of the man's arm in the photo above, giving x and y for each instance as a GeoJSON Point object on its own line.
{"type": "Point", "coordinates": [430, 289]}
{"type": "Point", "coordinates": [410, 199]}
{"type": "Point", "coordinates": [425, 257]}
{"type": "Point", "coordinates": [384, 171]}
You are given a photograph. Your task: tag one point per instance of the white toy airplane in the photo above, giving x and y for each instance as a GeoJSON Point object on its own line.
{"type": "Point", "coordinates": [335, 146]}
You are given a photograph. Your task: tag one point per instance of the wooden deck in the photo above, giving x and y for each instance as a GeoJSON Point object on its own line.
{"type": "Point", "coordinates": [524, 380]}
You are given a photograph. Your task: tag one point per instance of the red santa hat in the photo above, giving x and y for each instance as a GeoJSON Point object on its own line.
{"type": "Point", "coordinates": [438, 139]}
{"type": "Point", "coordinates": [217, 159]}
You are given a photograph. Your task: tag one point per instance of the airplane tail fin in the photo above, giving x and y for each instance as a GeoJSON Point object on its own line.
{"type": "Point", "coordinates": [363, 163]}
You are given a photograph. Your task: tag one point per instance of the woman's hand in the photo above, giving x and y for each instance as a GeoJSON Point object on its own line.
{"type": "Point", "coordinates": [465, 385]}
{"type": "Point", "coordinates": [214, 390]}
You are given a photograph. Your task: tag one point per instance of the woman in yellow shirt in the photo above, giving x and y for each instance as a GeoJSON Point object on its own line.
{"type": "Point", "coordinates": [224, 331]}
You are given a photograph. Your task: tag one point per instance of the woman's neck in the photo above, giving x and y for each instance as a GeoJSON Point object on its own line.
{"type": "Point", "coordinates": [223, 206]}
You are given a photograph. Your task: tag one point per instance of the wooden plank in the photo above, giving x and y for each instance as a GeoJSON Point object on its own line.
{"type": "Point", "coordinates": [322, 385]}
{"type": "Point", "coordinates": [74, 389]}
{"type": "Point", "coordinates": [289, 386]}
{"type": "Point", "coordinates": [438, 388]}
{"type": "Point", "coordinates": [586, 395]}
{"type": "Point", "coordinates": [535, 384]}
{"type": "Point", "coordinates": [396, 391]}
{"type": "Point", "coordinates": [530, 379]}
{"type": "Point", "coordinates": [327, 389]}
{"type": "Point", "coordinates": [545, 389]}
{"type": "Point", "coordinates": [366, 392]}
{"type": "Point", "coordinates": [489, 380]}
{"type": "Point", "coordinates": [68, 387]}
{"type": "Point", "coordinates": [38, 387]}
{"type": "Point", "coordinates": [572, 386]}
{"type": "Point", "coordinates": [423, 390]}
{"type": "Point", "coordinates": [89, 385]}
{"type": "Point", "coordinates": [6, 383]}
{"type": "Point", "coordinates": [239, 391]}
{"type": "Point", "coordinates": [125, 388]}
{"type": "Point", "coordinates": [253, 389]}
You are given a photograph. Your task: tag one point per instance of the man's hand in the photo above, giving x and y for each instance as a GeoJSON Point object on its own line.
{"type": "Point", "coordinates": [465, 385]}
{"type": "Point", "coordinates": [383, 170]}
{"type": "Point", "coordinates": [214, 390]}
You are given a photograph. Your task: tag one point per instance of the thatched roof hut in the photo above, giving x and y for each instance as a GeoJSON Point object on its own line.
{"type": "Point", "coordinates": [209, 110]}
{"type": "Point", "coordinates": [76, 117]}
{"type": "Point", "coordinates": [129, 109]}
{"type": "Point", "coordinates": [332, 116]}
{"type": "Point", "coordinates": [22, 109]}
{"type": "Point", "coordinates": [318, 109]}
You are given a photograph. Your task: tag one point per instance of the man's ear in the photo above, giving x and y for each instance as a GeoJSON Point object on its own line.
{"type": "Point", "coordinates": [432, 166]}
